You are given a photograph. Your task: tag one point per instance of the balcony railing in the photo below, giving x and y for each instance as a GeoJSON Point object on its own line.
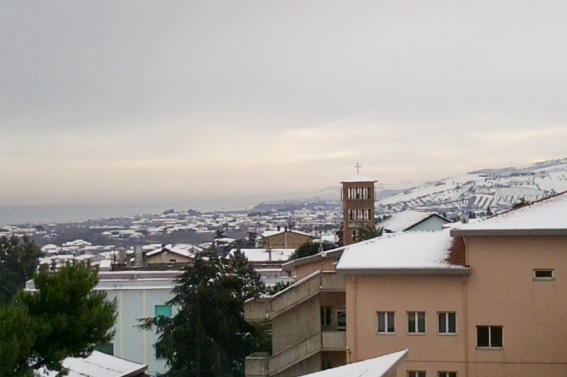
{"type": "Point", "coordinates": [263, 309]}
{"type": "Point", "coordinates": [260, 364]}
{"type": "Point", "coordinates": [333, 340]}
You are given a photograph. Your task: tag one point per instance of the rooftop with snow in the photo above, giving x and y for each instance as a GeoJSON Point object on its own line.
{"type": "Point", "coordinates": [547, 216]}
{"type": "Point", "coordinates": [411, 252]}
{"type": "Point", "coordinates": [382, 366]}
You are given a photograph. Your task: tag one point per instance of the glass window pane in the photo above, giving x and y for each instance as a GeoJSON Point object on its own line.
{"type": "Point", "coordinates": [381, 322]}
{"type": "Point", "coordinates": [411, 322]}
{"type": "Point", "coordinates": [421, 322]}
{"type": "Point", "coordinates": [341, 320]}
{"type": "Point", "coordinates": [442, 322]}
{"type": "Point", "coordinates": [163, 310]}
{"type": "Point", "coordinates": [391, 324]}
{"type": "Point", "coordinates": [482, 336]}
{"type": "Point", "coordinates": [107, 348]}
{"type": "Point", "coordinates": [496, 336]}
{"type": "Point", "coordinates": [452, 322]}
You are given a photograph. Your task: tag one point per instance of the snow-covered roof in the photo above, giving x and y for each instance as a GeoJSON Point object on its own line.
{"type": "Point", "coordinates": [381, 366]}
{"type": "Point", "coordinates": [408, 252]}
{"type": "Point", "coordinates": [359, 178]}
{"type": "Point", "coordinates": [406, 219]}
{"type": "Point", "coordinates": [185, 250]}
{"type": "Point", "coordinates": [270, 233]}
{"type": "Point", "coordinates": [262, 255]}
{"type": "Point", "coordinates": [98, 364]}
{"type": "Point", "coordinates": [548, 216]}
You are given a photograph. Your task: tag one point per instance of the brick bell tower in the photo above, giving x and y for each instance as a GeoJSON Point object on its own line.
{"type": "Point", "coordinates": [357, 195]}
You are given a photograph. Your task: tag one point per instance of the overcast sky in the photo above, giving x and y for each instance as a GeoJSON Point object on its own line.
{"type": "Point", "coordinates": [181, 101]}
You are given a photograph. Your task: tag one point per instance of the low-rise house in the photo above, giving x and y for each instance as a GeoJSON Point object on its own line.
{"type": "Point", "coordinates": [172, 254]}
{"type": "Point", "coordinates": [410, 220]}
{"type": "Point", "coordinates": [284, 239]}
{"type": "Point", "coordinates": [268, 263]}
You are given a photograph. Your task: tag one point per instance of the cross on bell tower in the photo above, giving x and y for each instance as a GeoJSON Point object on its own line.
{"type": "Point", "coordinates": [357, 166]}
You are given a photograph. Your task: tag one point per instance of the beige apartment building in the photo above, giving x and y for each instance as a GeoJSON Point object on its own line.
{"type": "Point", "coordinates": [485, 299]}
{"type": "Point", "coordinates": [284, 239]}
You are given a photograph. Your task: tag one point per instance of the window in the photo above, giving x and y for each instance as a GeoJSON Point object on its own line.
{"type": "Point", "coordinates": [163, 310]}
{"type": "Point", "coordinates": [107, 348]}
{"type": "Point", "coordinates": [489, 336]}
{"type": "Point", "coordinates": [447, 323]}
{"type": "Point", "coordinates": [341, 320]}
{"type": "Point", "coordinates": [416, 373]}
{"type": "Point", "coordinates": [160, 353]}
{"type": "Point", "coordinates": [326, 316]}
{"type": "Point", "coordinates": [416, 322]}
{"type": "Point", "coordinates": [447, 374]}
{"type": "Point", "coordinates": [386, 323]}
{"type": "Point", "coordinates": [543, 274]}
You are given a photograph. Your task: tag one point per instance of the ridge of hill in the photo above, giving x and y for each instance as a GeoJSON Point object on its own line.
{"type": "Point", "coordinates": [494, 189]}
{"type": "Point", "coordinates": [476, 191]}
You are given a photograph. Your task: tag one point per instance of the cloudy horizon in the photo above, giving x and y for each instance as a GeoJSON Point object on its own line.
{"type": "Point", "coordinates": [127, 102]}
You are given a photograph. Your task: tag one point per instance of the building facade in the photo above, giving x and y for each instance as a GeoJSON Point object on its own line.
{"type": "Point", "coordinates": [484, 299]}
{"type": "Point", "coordinates": [357, 196]}
{"type": "Point", "coordinates": [138, 294]}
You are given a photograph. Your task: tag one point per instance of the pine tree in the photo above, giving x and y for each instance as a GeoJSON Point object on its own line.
{"type": "Point", "coordinates": [208, 336]}
{"type": "Point", "coordinates": [18, 261]}
{"type": "Point", "coordinates": [64, 317]}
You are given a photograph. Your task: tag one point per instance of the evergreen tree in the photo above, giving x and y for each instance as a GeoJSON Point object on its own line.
{"type": "Point", "coordinates": [18, 261]}
{"type": "Point", "coordinates": [279, 286]}
{"type": "Point", "coordinates": [16, 340]}
{"type": "Point", "coordinates": [310, 248]}
{"type": "Point", "coordinates": [369, 233]}
{"type": "Point", "coordinates": [208, 337]}
{"type": "Point", "coordinates": [63, 318]}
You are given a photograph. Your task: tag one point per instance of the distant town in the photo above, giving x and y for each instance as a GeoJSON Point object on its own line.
{"type": "Point", "coordinates": [371, 234]}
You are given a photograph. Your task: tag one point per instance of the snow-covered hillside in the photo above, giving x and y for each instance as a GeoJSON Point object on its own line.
{"type": "Point", "coordinates": [477, 191]}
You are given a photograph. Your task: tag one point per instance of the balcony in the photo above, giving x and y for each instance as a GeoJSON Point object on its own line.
{"type": "Point", "coordinates": [264, 309]}
{"type": "Point", "coordinates": [333, 340]}
{"type": "Point", "coordinates": [257, 364]}
{"type": "Point", "coordinates": [261, 364]}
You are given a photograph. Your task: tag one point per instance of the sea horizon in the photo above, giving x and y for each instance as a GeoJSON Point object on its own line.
{"type": "Point", "coordinates": [69, 213]}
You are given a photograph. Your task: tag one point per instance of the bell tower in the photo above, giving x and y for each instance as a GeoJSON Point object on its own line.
{"type": "Point", "coordinates": [357, 195]}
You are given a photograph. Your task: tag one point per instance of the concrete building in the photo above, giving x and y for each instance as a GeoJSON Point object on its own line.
{"type": "Point", "coordinates": [486, 299]}
{"type": "Point", "coordinates": [138, 294]}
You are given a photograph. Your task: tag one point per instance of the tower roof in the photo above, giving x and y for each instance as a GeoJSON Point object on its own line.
{"type": "Point", "coordinates": [358, 178]}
